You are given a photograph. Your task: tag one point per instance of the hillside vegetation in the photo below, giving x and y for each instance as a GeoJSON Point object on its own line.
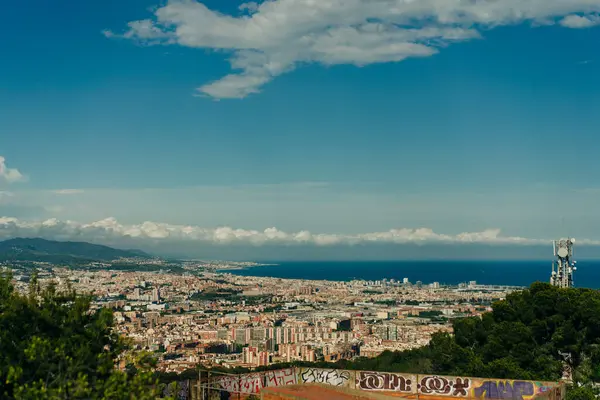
{"type": "Point", "coordinates": [53, 347]}
{"type": "Point", "coordinates": [25, 249]}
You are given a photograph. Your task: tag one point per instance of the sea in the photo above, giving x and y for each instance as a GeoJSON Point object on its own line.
{"type": "Point", "coordinates": [511, 273]}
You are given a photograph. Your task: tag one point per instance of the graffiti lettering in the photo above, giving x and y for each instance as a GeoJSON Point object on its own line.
{"type": "Point", "coordinates": [504, 390]}
{"type": "Point", "coordinates": [461, 387]}
{"type": "Point", "coordinates": [280, 377]}
{"type": "Point", "coordinates": [250, 383]}
{"type": "Point", "coordinates": [332, 377]}
{"type": "Point", "coordinates": [443, 386]}
{"type": "Point", "coordinates": [384, 381]}
{"type": "Point", "coordinates": [228, 383]}
{"type": "Point", "coordinates": [542, 388]}
{"type": "Point", "coordinates": [247, 383]}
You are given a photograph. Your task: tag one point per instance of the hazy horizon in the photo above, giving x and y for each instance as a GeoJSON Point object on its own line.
{"type": "Point", "coordinates": [347, 253]}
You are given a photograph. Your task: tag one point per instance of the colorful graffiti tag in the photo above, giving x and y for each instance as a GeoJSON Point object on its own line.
{"type": "Point", "coordinates": [385, 381]}
{"type": "Point", "coordinates": [550, 391]}
{"type": "Point", "coordinates": [504, 390]}
{"type": "Point", "coordinates": [334, 377]}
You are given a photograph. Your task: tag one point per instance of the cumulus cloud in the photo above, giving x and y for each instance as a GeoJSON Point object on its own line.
{"type": "Point", "coordinates": [111, 230]}
{"type": "Point", "coordinates": [580, 22]}
{"type": "Point", "coordinates": [275, 36]}
{"type": "Point", "coordinates": [9, 175]}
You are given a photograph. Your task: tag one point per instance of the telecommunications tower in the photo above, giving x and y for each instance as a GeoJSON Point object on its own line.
{"type": "Point", "coordinates": [564, 266]}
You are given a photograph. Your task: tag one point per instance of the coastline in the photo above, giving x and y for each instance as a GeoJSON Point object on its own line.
{"type": "Point", "coordinates": [446, 273]}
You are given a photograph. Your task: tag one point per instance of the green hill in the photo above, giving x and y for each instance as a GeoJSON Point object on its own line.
{"type": "Point", "coordinates": [24, 249]}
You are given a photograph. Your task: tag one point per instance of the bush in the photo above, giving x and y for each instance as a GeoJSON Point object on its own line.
{"type": "Point", "coordinates": [53, 346]}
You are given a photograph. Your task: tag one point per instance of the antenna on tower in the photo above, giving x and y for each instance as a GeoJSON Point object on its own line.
{"type": "Point", "coordinates": [563, 266]}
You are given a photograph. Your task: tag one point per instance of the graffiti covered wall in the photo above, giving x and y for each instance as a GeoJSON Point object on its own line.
{"type": "Point", "coordinates": [253, 383]}
{"type": "Point", "coordinates": [461, 387]}
{"type": "Point", "coordinates": [406, 385]}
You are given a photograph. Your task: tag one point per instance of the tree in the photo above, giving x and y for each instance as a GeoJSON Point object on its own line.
{"type": "Point", "coordinates": [53, 346]}
{"type": "Point", "coordinates": [586, 392]}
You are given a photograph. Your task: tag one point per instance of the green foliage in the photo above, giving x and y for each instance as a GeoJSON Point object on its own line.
{"type": "Point", "coordinates": [216, 294]}
{"type": "Point", "coordinates": [386, 302]}
{"type": "Point", "coordinates": [585, 392]}
{"type": "Point", "coordinates": [52, 346]}
{"type": "Point", "coordinates": [256, 300]}
{"type": "Point", "coordinates": [430, 314]}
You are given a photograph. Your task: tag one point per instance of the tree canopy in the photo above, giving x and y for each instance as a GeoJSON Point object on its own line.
{"type": "Point", "coordinates": [53, 346]}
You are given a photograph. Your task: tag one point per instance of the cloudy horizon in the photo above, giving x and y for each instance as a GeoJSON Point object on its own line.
{"type": "Point", "coordinates": [273, 244]}
{"type": "Point", "coordinates": [297, 128]}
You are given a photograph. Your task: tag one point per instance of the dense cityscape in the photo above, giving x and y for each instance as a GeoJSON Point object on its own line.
{"type": "Point", "coordinates": [202, 314]}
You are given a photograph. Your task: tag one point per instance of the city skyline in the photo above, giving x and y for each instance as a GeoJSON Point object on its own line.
{"type": "Point", "coordinates": [230, 126]}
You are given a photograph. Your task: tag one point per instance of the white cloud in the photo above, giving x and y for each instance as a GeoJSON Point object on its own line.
{"type": "Point", "coordinates": [250, 7]}
{"type": "Point", "coordinates": [68, 191]}
{"type": "Point", "coordinates": [274, 37]}
{"type": "Point", "coordinates": [9, 175]}
{"type": "Point", "coordinates": [111, 230]}
{"type": "Point", "coordinates": [580, 22]}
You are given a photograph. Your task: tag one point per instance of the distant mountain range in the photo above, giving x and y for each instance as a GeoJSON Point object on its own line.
{"type": "Point", "coordinates": [22, 249]}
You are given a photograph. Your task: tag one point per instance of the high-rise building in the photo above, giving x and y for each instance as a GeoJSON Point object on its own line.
{"type": "Point", "coordinates": [156, 295]}
{"type": "Point", "coordinates": [263, 358]}
{"type": "Point", "coordinates": [250, 355]}
{"type": "Point", "coordinates": [241, 336]}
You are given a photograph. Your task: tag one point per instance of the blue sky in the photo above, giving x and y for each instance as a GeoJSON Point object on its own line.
{"type": "Point", "coordinates": [458, 117]}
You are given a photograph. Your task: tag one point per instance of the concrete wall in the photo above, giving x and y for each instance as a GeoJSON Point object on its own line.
{"type": "Point", "coordinates": [403, 385]}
